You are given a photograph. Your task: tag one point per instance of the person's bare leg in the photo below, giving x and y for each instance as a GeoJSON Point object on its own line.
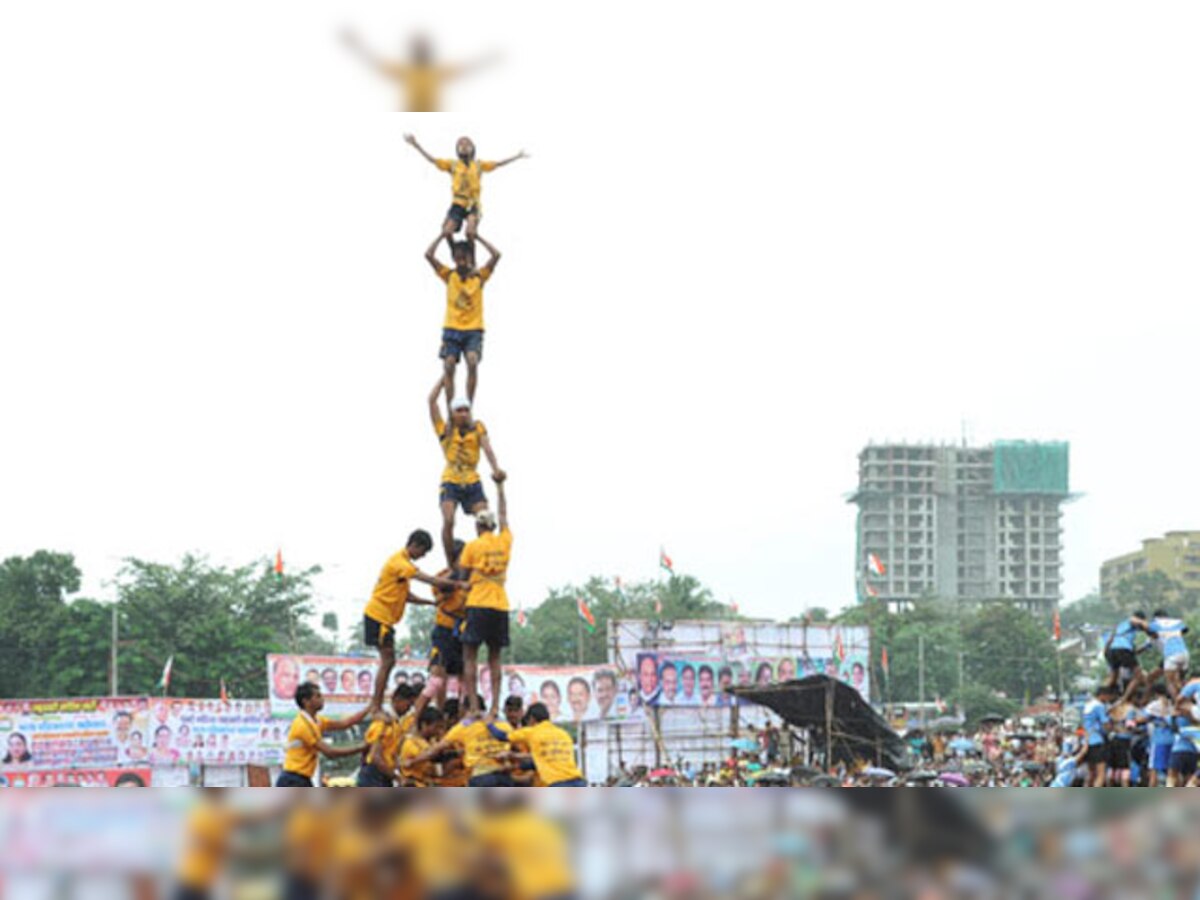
{"type": "Point", "coordinates": [468, 686]}
{"type": "Point", "coordinates": [449, 227]}
{"type": "Point", "coordinates": [472, 376]}
{"type": "Point", "coordinates": [448, 508]}
{"type": "Point", "coordinates": [387, 662]}
{"type": "Point", "coordinates": [472, 226]}
{"type": "Point", "coordinates": [449, 367]}
{"type": "Point", "coordinates": [496, 670]}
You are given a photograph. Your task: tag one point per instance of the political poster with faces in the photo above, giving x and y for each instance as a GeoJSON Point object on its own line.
{"type": "Point", "coordinates": [63, 734]}
{"type": "Point", "coordinates": [346, 682]}
{"type": "Point", "coordinates": [206, 732]}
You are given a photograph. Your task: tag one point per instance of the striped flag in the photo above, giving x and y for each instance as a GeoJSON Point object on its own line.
{"type": "Point", "coordinates": [871, 592]}
{"type": "Point", "coordinates": [665, 561]}
{"type": "Point", "coordinates": [164, 682]}
{"type": "Point", "coordinates": [585, 614]}
{"type": "Point", "coordinates": [875, 565]}
{"type": "Point", "coordinates": [279, 566]}
{"type": "Point", "coordinates": [883, 663]}
{"type": "Point", "coordinates": [839, 651]}
{"type": "Point", "coordinates": [522, 619]}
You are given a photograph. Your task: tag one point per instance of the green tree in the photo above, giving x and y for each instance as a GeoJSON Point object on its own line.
{"type": "Point", "coordinates": [1010, 651]}
{"type": "Point", "coordinates": [977, 701]}
{"type": "Point", "coordinates": [34, 610]}
{"type": "Point", "coordinates": [1091, 609]}
{"type": "Point", "coordinates": [1147, 591]}
{"type": "Point", "coordinates": [217, 623]}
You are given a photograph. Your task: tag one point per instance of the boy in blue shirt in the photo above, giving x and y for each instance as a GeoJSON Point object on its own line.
{"type": "Point", "coordinates": [1120, 652]}
{"type": "Point", "coordinates": [1168, 633]}
{"type": "Point", "coordinates": [1096, 724]}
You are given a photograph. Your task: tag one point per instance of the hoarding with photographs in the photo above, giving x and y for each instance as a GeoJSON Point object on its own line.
{"type": "Point", "coordinates": [690, 663]}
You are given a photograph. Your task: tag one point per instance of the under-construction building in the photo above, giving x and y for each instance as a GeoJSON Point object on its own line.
{"type": "Point", "coordinates": [962, 523]}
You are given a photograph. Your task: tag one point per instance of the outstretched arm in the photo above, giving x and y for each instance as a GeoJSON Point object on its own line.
{"type": "Point", "coordinates": [348, 722]}
{"type": "Point", "coordinates": [355, 45]}
{"type": "Point", "coordinates": [446, 584]}
{"type": "Point", "coordinates": [502, 505]}
{"type": "Point", "coordinates": [412, 139]}
{"type": "Point", "coordinates": [494, 254]}
{"type": "Point", "coordinates": [329, 751]}
{"type": "Point", "coordinates": [497, 473]}
{"type": "Point", "coordinates": [511, 159]}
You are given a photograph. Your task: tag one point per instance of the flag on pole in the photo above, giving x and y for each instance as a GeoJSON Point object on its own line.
{"type": "Point", "coordinates": [658, 607]}
{"type": "Point", "coordinates": [839, 651]}
{"type": "Point", "coordinates": [1057, 627]}
{"type": "Point", "coordinates": [224, 693]}
{"type": "Point", "coordinates": [733, 605]}
{"type": "Point", "coordinates": [875, 565]}
{"type": "Point", "coordinates": [620, 586]}
{"type": "Point", "coordinates": [522, 619]}
{"type": "Point", "coordinates": [164, 682]}
{"type": "Point", "coordinates": [279, 566]}
{"type": "Point", "coordinates": [665, 561]}
{"type": "Point", "coordinates": [871, 592]}
{"type": "Point", "coordinates": [586, 614]}
{"type": "Point", "coordinates": [940, 705]}
{"type": "Point", "coordinates": [883, 663]}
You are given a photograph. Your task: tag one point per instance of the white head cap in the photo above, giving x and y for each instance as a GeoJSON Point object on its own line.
{"type": "Point", "coordinates": [459, 403]}
{"type": "Point", "coordinates": [486, 518]}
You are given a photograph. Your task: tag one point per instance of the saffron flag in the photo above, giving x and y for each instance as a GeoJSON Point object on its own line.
{"type": "Point", "coordinates": [1057, 627]}
{"type": "Point", "coordinates": [875, 565]}
{"type": "Point", "coordinates": [279, 566]}
{"type": "Point", "coordinates": [224, 693]}
{"type": "Point", "coordinates": [522, 619]}
{"type": "Point", "coordinates": [883, 662]}
{"type": "Point", "coordinates": [665, 561]}
{"type": "Point", "coordinates": [585, 614]}
{"type": "Point", "coordinates": [164, 682]}
{"type": "Point", "coordinates": [839, 651]}
{"type": "Point", "coordinates": [871, 592]}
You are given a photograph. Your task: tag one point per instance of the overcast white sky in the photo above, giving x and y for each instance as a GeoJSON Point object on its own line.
{"type": "Point", "coordinates": [751, 239]}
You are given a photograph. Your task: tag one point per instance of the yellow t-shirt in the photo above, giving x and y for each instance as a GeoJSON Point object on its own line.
{"type": "Point", "coordinates": [553, 751]}
{"type": "Point", "coordinates": [464, 298]}
{"type": "Point", "coordinates": [391, 591]}
{"type": "Point", "coordinates": [421, 85]}
{"type": "Point", "coordinates": [389, 733]}
{"type": "Point", "coordinates": [451, 605]}
{"type": "Point", "coordinates": [461, 451]}
{"type": "Point", "coordinates": [420, 774]}
{"type": "Point", "coordinates": [465, 180]}
{"type": "Point", "coordinates": [480, 749]}
{"type": "Point", "coordinates": [205, 850]}
{"type": "Point", "coordinates": [535, 852]}
{"type": "Point", "coordinates": [437, 846]}
{"type": "Point", "coordinates": [308, 841]}
{"type": "Point", "coordinates": [488, 557]}
{"type": "Point", "coordinates": [303, 737]}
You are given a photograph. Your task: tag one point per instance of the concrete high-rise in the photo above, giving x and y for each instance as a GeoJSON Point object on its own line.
{"type": "Point", "coordinates": [962, 523]}
{"type": "Point", "coordinates": [1177, 555]}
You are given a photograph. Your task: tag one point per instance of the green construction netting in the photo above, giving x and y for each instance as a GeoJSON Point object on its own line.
{"type": "Point", "coordinates": [1026, 467]}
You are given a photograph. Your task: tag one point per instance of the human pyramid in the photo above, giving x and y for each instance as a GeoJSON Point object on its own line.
{"type": "Point", "coordinates": [418, 739]}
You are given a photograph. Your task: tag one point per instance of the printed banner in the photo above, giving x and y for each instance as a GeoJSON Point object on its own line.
{"type": "Point", "coordinates": [105, 733]}
{"type": "Point", "coordinates": [88, 778]}
{"type": "Point", "coordinates": [572, 693]}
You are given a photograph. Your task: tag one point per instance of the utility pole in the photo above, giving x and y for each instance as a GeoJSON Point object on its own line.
{"type": "Point", "coordinates": [113, 664]}
{"type": "Point", "coordinates": [921, 676]}
{"type": "Point", "coordinates": [579, 640]}
{"type": "Point", "coordinates": [960, 672]}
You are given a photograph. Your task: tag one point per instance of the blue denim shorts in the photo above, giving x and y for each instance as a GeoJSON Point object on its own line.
{"type": "Point", "coordinates": [467, 496]}
{"type": "Point", "coordinates": [455, 343]}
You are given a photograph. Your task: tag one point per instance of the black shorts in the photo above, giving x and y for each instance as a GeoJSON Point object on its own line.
{"type": "Point", "coordinates": [186, 892]}
{"type": "Point", "coordinates": [376, 634]}
{"type": "Point", "coordinates": [369, 776]}
{"type": "Point", "coordinates": [1097, 753]}
{"type": "Point", "coordinates": [1184, 764]}
{"type": "Point", "coordinates": [465, 496]}
{"type": "Point", "coordinates": [446, 651]}
{"type": "Point", "coordinates": [291, 779]}
{"type": "Point", "coordinates": [1118, 754]}
{"type": "Point", "coordinates": [1121, 659]}
{"type": "Point", "coordinates": [486, 626]}
{"type": "Point", "coordinates": [459, 214]}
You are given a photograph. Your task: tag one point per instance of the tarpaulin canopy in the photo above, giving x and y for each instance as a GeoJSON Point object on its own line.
{"type": "Point", "coordinates": [857, 733]}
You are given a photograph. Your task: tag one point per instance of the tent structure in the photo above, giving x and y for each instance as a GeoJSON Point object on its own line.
{"type": "Point", "coordinates": [841, 723]}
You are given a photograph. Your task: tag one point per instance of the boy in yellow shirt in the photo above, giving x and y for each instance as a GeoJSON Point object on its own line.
{"type": "Point", "coordinates": [388, 601]}
{"type": "Point", "coordinates": [386, 735]}
{"type": "Point", "coordinates": [413, 773]}
{"type": "Point", "coordinates": [445, 654]}
{"type": "Point", "coordinates": [463, 327]}
{"type": "Point", "coordinates": [466, 177]}
{"type": "Point", "coordinates": [306, 738]}
{"type": "Point", "coordinates": [481, 750]}
{"type": "Point", "coordinates": [552, 749]}
{"type": "Point", "coordinates": [462, 440]}
{"type": "Point", "coordinates": [486, 559]}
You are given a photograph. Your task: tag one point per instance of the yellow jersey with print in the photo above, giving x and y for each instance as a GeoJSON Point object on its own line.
{"type": "Point", "coordinates": [488, 557]}
{"type": "Point", "coordinates": [464, 298]}
{"type": "Point", "coordinates": [438, 847]}
{"type": "Point", "coordinates": [451, 605]}
{"type": "Point", "coordinates": [535, 852]}
{"type": "Point", "coordinates": [461, 451]}
{"type": "Point", "coordinates": [388, 733]}
{"type": "Point", "coordinates": [206, 846]}
{"type": "Point", "coordinates": [391, 591]}
{"type": "Point", "coordinates": [466, 181]}
{"type": "Point", "coordinates": [416, 774]}
{"type": "Point", "coordinates": [553, 752]}
{"type": "Point", "coordinates": [301, 753]}
{"type": "Point", "coordinates": [480, 749]}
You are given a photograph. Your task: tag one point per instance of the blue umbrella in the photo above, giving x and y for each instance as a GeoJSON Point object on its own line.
{"type": "Point", "coordinates": [745, 744]}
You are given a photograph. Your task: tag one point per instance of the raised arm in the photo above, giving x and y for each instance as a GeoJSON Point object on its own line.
{"type": "Point", "coordinates": [412, 139]}
{"type": "Point", "coordinates": [494, 254]}
{"type": "Point", "coordinates": [511, 159]}
{"type": "Point", "coordinates": [502, 504]}
{"type": "Point", "coordinates": [435, 413]}
{"type": "Point", "coordinates": [355, 45]}
{"type": "Point", "coordinates": [431, 257]}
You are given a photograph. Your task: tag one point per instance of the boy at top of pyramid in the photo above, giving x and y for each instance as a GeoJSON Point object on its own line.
{"type": "Point", "coordinates": [463, 328]}
{"type": "Point", "coordinates": [466, 176]}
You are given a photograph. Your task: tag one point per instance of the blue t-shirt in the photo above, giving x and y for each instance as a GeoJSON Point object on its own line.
{"type": "Point", "coordinates": [1191, 689]}
{"type": "Point", "coordinates": [1065, 774]}
{"type": "Point", "coordinates": [1169, 634]}
{"type": "Point", "coordinates": [1183, 727]}
{"type": "Point", "coordinates": [1095, 715]}
{"type": "Point", "coordinates": [1123, 636]}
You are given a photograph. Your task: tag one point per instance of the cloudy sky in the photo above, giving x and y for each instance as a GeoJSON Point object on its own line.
{"type": "Point", "coordinates": [750, 240]}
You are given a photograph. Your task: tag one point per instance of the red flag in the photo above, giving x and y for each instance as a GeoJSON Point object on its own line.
{"type": "Point", "coordinates": [224, 693]}
{"type": "Point", "coordinates": [522, 619]}
{"type": "Point", "coordinates": [883, 662]}
{"type": "Point", "coordinates": [1057, 627]}
{"type": "Point", "coordinates": [279, 565]}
